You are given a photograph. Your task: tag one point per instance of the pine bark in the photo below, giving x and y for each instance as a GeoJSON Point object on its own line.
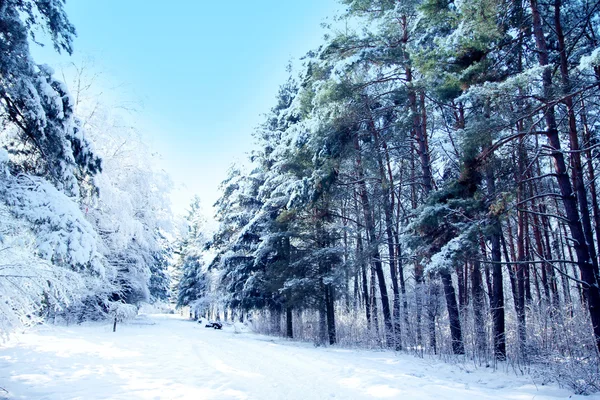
{"type": "Point", "coordinates": [289, 322]}
{"type": "Point", "coordinates": [453, 314]}
{"type": "Point", "coordinates": [478, 297]}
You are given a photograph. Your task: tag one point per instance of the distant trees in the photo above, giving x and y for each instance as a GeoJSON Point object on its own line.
{"type": "Point", "coordinates": [193, 287]}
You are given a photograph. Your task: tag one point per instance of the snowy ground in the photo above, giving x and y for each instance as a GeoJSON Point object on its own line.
{"type": "Point", "coordinates": [168, 357]}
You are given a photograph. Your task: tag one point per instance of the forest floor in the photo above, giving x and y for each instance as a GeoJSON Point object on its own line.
{"type": "Point", "coordinates": [170, 357]}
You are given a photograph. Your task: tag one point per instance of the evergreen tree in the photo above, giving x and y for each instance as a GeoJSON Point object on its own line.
{"type": "Point", "coordinates": [193, 288]}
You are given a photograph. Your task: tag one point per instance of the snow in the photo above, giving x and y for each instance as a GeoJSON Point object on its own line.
{"type": "Point", "coordinates": [3, 156]}
{"type": "Point", "coordinates": [590, 60]}
{"type": "Point", "coordinates": [170, 357]}
{"type": "Point", "coordinates": [63, 234]}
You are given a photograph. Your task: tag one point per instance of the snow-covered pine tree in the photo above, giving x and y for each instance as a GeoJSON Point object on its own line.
{"type": "Point", "coordinates": [48, 139]}
{"type": "Point", "coordinates": [194, 286]}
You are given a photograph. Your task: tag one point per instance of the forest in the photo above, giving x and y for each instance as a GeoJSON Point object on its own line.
{"type": "Point", "coordinates": [425, 182]}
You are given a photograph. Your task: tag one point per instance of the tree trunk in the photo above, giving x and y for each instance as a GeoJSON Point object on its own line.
{"type": "Point", "coordinates": [478, 296]}
{"type": "Point", "coordinates": [497, 306]}
{"type": "Point", "coordinates": [363, 268]}
{"type": "Point", "coordinates": [373, 304]}
{"type": "Point", "coordinates": [462, 288]}
{"type": "Point", "coordinates": [432, 313]}
{"type": "Point", "coordinates": [419, 288]}
{"type": "Point", "coordinates": [403, 288]}
{"type": "Point", "coordinates": [511, 270]}
{"type": "Point", "coordinates": [289, 323]}
{"type": "Point", "coordinates": [521, 267]}
{"type": "Point", "coordinates": [322, 334]}
{"type": "Point", "coordinates": [453, 315]}
{"type": "Point", "coordinates": [330, 303]}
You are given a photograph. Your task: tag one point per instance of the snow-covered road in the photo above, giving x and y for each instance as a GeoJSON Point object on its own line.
{"type": "Point", "coordinates": [167, 357]}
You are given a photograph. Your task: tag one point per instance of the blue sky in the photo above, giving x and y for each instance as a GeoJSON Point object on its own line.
{"type": "Point", "coordinates": [202, 72]}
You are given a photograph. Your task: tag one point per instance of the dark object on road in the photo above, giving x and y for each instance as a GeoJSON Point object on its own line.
{"type": "Point", "coordinates": [215, 325]}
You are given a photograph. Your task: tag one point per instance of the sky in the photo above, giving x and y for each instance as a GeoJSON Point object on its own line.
{"type": "Point", "coordinates": [201, 73]}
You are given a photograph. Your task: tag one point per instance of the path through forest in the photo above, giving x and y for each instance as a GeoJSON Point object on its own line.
{"type": "Point", "coordinates": [169, 357]}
